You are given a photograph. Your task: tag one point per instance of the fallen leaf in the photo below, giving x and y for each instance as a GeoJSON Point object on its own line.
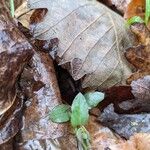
{"type": "Point", "coordinates": [92, 39]}
{"type": "Point", "coordinates": [39, 85]}
{"type": "Point", "coordinates": [125, 125]}
{"type": "Point", "coordinates": [116, 95]}
{"type": "Point", "coordinates": [121, 5]}
{"type": "Point", "coordinates": [141, 140]}
{"type": "Point", "coordinates": [7, 146]}
{"type": "Point", "coordinates": [135, 8]}
{"type": "Point", "coordinates": [23, 14]}
{"type": "Point", "coordinates": [129, 99]}
{"type": "Point", "coordinates": [101, 137]}
{"type": "Point", "coordinates": [15, 53]}
{"type": "Point", "coordinates": [141, 88]}
{"type": "Point", "coordinates": [139, 56]}
{"type": "Point", "coordinates": [141, 101]}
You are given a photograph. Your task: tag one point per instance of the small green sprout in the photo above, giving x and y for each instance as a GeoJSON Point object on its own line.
{"type": "Point", "coordinates": [138, 19]}
{"type": "Point", "coordinates": [78, 115]}
{"type": "Point", "coordinates": [12, 8]}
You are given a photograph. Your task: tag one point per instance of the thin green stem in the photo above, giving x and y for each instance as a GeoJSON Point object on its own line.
{"type": "Point", "coordinates": [12, 7]}
{"type": "Point", "coordinates": [147, 11]}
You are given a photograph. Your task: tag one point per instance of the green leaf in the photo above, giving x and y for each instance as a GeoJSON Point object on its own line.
{"type": "Point", "coordinates": [93, 98]}
{"type": "Point", "coordinates": [80, 111]}
{"type": "Point", "coordinates": [147, 11]}
{"type": "Point", "coordinates": [83, 137]}
{"type": "Point", "coordinates": [60, 114]}
{"type": "Point", "coordinates": [135, 19]}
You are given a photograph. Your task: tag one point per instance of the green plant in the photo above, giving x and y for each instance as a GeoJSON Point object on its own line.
{"type": "Point", "coordinates": [12, 7]}
{"type": "Point", "coordinates": [138, 19]}
{"type": "Point", "coordinates": [78, 115]}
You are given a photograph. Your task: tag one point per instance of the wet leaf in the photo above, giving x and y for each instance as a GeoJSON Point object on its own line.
{"type": "Point", "coordinates": [93, 98]}
{"type": "Point", "coordinates": [80, 111]}
{"type": "Point", "coordinates": [39, 85]}
{"type": "Point", "coordinates": [60, 114]}
{"type": "Point", "coordinates": [125, 125]}
{"type": "Point", "coordinates": [15, 53]}
{"type": "Point", "coordinates": [92, 43]}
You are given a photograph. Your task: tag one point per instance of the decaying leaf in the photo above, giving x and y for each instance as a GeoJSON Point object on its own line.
{"type": "Point", "coordinates": [39, 85]}
{"type": "Point", "coordinates": [92, 39]}
{"type": "Point", "coordinates": [141, 92]}
{"type": "Point", "coordinates": [129, 100]}
{"type": "Point", "coordinates": [116, 95]}
{"type": "Point", "coordinates": [139, 56]}
{"type": "Point", "coordinates": [101, 136]}
{"type": "Point", "coordinates": [15, 52]}
{"type": "Point", "coordinates": [7, 146]}
{"type": "Point", "coordinates": [125, 125]}
{"type": "Point", "coordinates": [141, 88]}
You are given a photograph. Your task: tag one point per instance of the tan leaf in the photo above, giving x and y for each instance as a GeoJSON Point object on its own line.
{"type": "Point", "coordinates": [92, 39]}
{"type": "Point", "coordinates": [23, 14]}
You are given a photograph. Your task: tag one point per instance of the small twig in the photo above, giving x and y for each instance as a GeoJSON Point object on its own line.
{"type": "Point", "coordinates": [12, 8]}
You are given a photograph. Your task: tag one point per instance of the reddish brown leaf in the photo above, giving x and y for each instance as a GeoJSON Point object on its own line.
{"type": "Point", "coordinates": [41, 90]}
{"type": "Point", "coordinates": [116, 95]}
{"type": "Point", "coordinates": [15, 52]}
{"type": "Point", "coordinates": [139, 56]}
{"type": "Point", "coordinates": [135, 8]}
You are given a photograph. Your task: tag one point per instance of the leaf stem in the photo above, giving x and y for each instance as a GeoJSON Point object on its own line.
{"type": "Point", "coordinates": [12, 8]}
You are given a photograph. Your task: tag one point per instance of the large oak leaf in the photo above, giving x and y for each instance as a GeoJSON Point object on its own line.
{"type": "Point", "coordinates": [92, 39]}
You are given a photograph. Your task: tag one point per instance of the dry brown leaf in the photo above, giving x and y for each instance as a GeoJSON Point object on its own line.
{"type": "Point", "coordinates": [141, 140]}
{"type": "Point", "coordinates": [139, 56]}
{"type": "Point", "coordinates": [103, 138]}
{"type": "Point", "coordinates": [23, 14]}
{"type": "Point", "coordinates": [92, 39]}
{"type": "Point", "coordinates": [135, 8]}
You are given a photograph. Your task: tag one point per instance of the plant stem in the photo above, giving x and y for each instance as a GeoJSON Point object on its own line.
{"type": "Point", "coordinates": [147, 11]}
{"type": "Point", "coordinates": [12, 7]}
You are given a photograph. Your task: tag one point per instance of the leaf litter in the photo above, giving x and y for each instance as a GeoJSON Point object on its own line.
{"type": "Point", "coordinates": [137, 94]}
